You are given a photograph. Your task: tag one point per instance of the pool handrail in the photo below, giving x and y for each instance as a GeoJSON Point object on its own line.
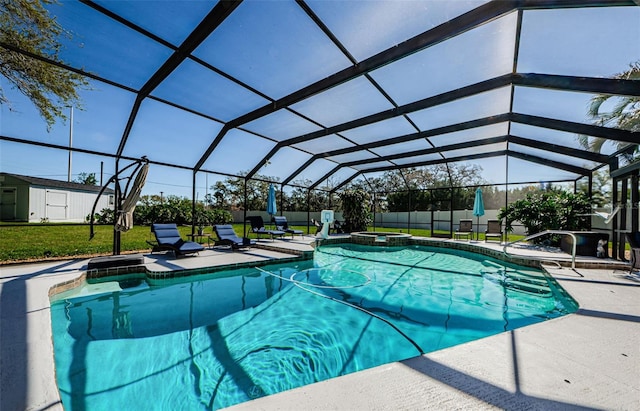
{"type": "Point", "coordinates": [540, 234]}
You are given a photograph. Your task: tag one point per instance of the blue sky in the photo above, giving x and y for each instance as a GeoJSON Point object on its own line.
{"type": "Point", "coordinates": [274, 48]}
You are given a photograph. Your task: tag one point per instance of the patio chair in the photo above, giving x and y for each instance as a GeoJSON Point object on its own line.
{"type": "Point", "coordinates": [494, 230]}
{"type": "Point", "coordinates": [168, 239]}
{"type": "Point", "coordinates": [317, 225]}
{"type": "Point", "coordinates": [464, 230]}
{"type": "Point", "coordinates": [257, 227]}
{"type": "Point", "coordinates": [282, 225]}
{"type": "Point", "coordinates": [227, 236]}
{"type": "Point", "coordinates": [633, 239]}
{"type": "Point", "coordinates": [338, 227]}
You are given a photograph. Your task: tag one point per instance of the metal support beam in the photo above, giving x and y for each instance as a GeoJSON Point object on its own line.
{"type": "Point", "coordinates": [578, 128]}
{"type": "Point", "coordinates": [564, 150]}
{"type": "Point", "coordinates": [550, 163]}
{"type": "Point", "coordinates": [613, 86]}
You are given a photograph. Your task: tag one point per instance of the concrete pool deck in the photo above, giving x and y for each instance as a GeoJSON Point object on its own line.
{"type": "Point", "coordinates": [586, 360]}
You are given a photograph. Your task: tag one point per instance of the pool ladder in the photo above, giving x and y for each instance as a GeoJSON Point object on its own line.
{"type": "Point", "coordinates": [543, 233]}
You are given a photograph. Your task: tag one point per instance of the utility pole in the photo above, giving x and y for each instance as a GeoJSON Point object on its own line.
{"type": "Point", "coordinates": [70, 142]}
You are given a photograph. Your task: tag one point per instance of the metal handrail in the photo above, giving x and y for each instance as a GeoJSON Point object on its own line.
{"type": "Point", "coordinates": [540, 234]}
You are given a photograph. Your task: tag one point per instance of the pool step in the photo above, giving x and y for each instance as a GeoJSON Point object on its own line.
{"type": "Point", "coordinates": [519, 282]}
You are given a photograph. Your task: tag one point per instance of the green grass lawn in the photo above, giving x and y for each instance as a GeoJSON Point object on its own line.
{"type": "Point", "coordinates": [28, 242]}
{"type": "Point", "coordinates": [34, 242]}
{"type": "Point", "coordinates": [40, 241]}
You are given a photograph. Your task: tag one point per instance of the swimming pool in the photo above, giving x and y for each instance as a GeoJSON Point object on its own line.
{"type": "Point", "coordinates": [211, 341]}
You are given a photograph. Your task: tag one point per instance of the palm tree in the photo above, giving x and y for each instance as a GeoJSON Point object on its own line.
{"type": "Point", "coordinates": [625, 113]}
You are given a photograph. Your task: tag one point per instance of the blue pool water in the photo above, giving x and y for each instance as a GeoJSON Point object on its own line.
{"type": "Point", "coordinates": [211, 341]}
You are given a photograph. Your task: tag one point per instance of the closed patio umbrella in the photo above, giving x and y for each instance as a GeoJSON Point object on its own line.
{"type": "Point", "coordinates": [272, 208]}
{"type": "Point", "coordinates": [478, 209]}
{"type": "Point", "coordinates": [125, 216]}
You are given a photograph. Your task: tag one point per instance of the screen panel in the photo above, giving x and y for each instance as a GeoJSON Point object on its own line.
{"type": "Point", "coordinates": [316, 170]}
{"type": "Point", "coordinates": [414, 145]}
{"type": "Point", "coordinates": [284, 162]}
{"type": "Point", "coordinates": [476, 55]}
{"type": "Point", "coordinates": [593, 42]}
{"type": "Point", "coordinates": [394, 21]}
{"type": "Point", "coordinates": [418, 159]}
{"type": "Point", "coordinates": [107, 41]}
{"type": "Point", "coordinates": [193, 86]}
{"type": "Point", "coordinates": [472, 134]}
{"type": "Point", "coordinates": [490, 103]}
{"type": "Point", "coordinates": [337, 178]}
{"type": "Point", "coordinates": [355, 156]}
{"type": "Point", "coordinates": [276, 48]}
{"type": "Point", "coordinates": [169, 20]}
{"type": "Point", "coordinates": [281, 125]}
{"type": "Point", "coordinates": [324, 144]}
{"type": "Point", "coordinates": [561, 138]}
{"type": "Point", "coordinates": [351, 100]}
{"type": "Point", "coordinates": [231, 155]}
{"type": "Point", "coordinates": [522, 171]}
{"type": "Point", "coordinates": [170, 135]}
{"type": "Point", "coordinates": [381, 130]}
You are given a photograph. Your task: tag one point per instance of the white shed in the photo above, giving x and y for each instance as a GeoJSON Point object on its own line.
{"type": "Point", "coordinates": [35, 199]}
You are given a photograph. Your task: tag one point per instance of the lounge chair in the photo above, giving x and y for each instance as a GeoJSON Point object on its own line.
{"type": "Point", "coordinates": [465, 230]}
{"type": "Point", "coordinates": [257, 227]}
{"type": "Point", "coordinates": [338, 228]}
{"type": "Point", "coordinates": [494, 230]}
{"type": "Point", "coordinates": [227, 236]}
{"type": "Point", "coordinates": [633, 239]}
{"type": "Point", "coordinates": [168, 239]}
{"type": "Point", "coordinates": [282, 225]}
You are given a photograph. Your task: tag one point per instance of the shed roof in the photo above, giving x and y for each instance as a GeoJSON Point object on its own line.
{"type": "Point", "coordinates": [65, 185]}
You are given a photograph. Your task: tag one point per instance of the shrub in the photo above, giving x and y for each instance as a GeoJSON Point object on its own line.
{"type": "Point", "coordinates": [205, 217]}
{"type": "Point", "coordinates": [173, 210]}
{"type": "Point", "coordinates": [105, 216]}
{"type": "Point", "coordinates": [548, 210]}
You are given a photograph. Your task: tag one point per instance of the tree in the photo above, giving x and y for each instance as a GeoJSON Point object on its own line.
{"type": "Point", "coordinates": [416, 181]}
{"type": "Point", "coordinates": [355, 210]}
{"type": "Point", "coordinates": [219, 197]}
{"type": "Point", "coordinates": [87, 179]}
{"type": "Point", "coordinates": [624, 113]}
{"type": "Point", "coordinates": [601, 188]}
{"type": "Point", "coordinates": [231, 193]}
{"type": "Point", "coordinates": [26, 25]}
{"type": "Point", "coordinates": [299, 197]}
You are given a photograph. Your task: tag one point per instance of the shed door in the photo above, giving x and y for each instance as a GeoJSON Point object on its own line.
{"type": "Point", "coordinates": [8, 201]}
{"type": "Point", "coordinates": [56, 205]}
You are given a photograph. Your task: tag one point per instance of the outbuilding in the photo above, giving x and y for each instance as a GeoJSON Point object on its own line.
{"type": "Point", "coordinates": [36, 199]}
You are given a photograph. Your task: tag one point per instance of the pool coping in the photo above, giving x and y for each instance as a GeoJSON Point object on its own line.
{"type": "Point", "coordinates": [27, 316]}
{"type": "Point", "coordinates": [142, 271]}
{"type": "Point", "coordinates": [156, 277]}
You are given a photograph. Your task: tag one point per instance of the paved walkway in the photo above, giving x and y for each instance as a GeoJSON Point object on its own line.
{"type": "Point", "coordinates": [587, 360]}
